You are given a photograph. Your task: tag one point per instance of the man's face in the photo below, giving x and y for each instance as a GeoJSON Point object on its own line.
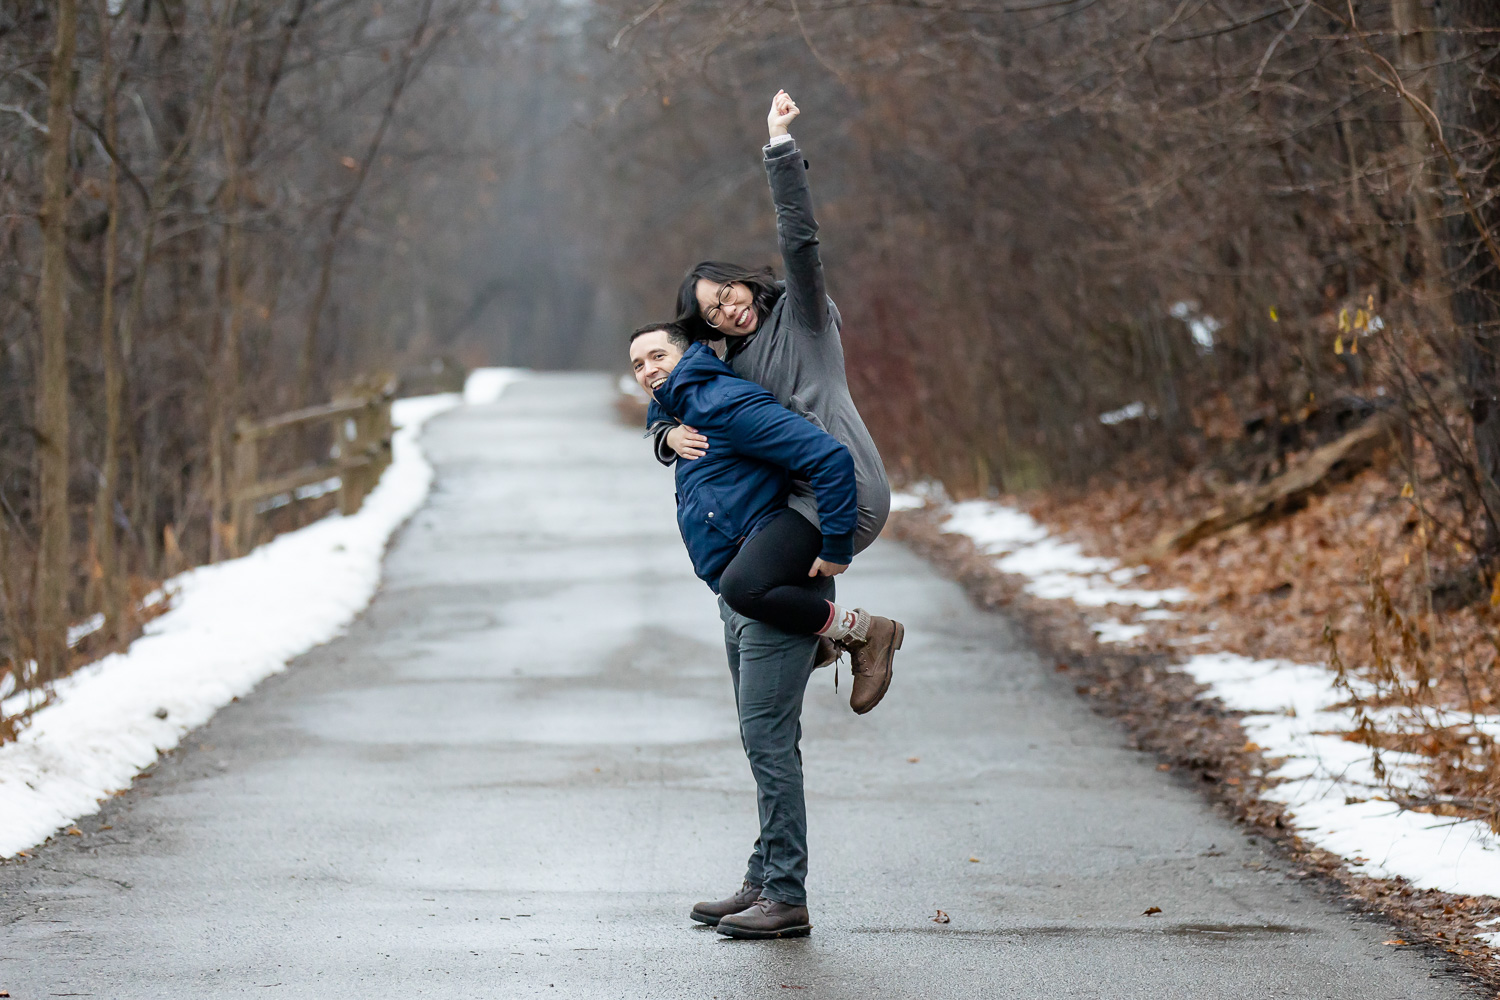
{"type": "Point", "coordinates": [652, 358]}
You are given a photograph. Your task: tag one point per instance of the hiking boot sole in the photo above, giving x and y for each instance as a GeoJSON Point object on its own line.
{"type": "Point", "coordinates": [704, 918]}
{"type": "Point", "coordinates": [890, 669]}
{"type": "Point", "coordinates": [729, 930]}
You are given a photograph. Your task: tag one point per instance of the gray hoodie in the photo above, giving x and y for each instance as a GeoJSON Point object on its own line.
{"type": "Point", "coordinates": [796, 352]}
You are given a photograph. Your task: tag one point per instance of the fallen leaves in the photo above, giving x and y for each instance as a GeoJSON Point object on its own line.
{"type": "Point", "coordinates": [941, 918]}
{"type": "Point", "coordinates": [973, 860]}
{"type": "Point", "coordinates": [73, 831]}
{"type": "Point", "coordinates": [912, 760]}
{"type": "Point", "coordinates": [1151, 911]}
{"type": "Point", "coordinates": [1195, 737]}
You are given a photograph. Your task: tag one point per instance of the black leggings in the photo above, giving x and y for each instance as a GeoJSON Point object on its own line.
{"type": "Point", "coordinates": [767, 578]}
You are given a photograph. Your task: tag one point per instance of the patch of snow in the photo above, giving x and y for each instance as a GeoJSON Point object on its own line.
{"type": "Point", "coordinates": [1159, 615]}
{"type": "Point", "coordinates": [1191, 640]}
{"type": "Point", "coordinates": [1096, 592]}
{"type": "Point", "coordinates": [919, 494]}
{"type": "Point", "coordinates": [309, 492]}
{"type": "Point", "coordinates": [484, 385]}
{"type": "Point", "coordinates": [1130, 411]}
{"type": "Point", "coordinates": [1047, 556]}
{"type": "Point", "coordinates": [1492, 938]}
{"type": "Point", "coordinates": [1201, 327]}
{"type": "Point", "coordinates": [1053, 569]}
{"type": "Point", "coordinates": [1114, 630]}
{"type": "Point", "coordinates": [993, 527]}
{"type": "Point", "coordinates": [84, 629]}
{"type": "Point", "coordinates": [230, 625]}
{"type": "Point", "coordinates": [1329, 785]}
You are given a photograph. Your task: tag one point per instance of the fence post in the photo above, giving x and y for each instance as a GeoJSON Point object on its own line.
{"type": "Point", "coordinates": [385, 430]}
{"type": "Point", "coordinates": [352, 436]}
{"type": "Point", "coordinates": [246, 472]}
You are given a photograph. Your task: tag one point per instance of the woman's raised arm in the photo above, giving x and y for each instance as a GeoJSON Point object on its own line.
{"type": "Point", "coordinates": [796, 228]}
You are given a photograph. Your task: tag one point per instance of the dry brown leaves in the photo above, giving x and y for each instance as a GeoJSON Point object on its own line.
{"type": "Point", "coordinates": [1347, 581]}
{"type": "Point", "coordinates": [1271, 591]}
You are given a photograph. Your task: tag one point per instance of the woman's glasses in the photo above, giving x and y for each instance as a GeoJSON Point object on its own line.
{"type": "Point", "coordinates": [715, 312]}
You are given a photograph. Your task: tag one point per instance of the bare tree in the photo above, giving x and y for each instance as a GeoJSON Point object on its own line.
{"type": "Point", "coordinates": [54, 556]}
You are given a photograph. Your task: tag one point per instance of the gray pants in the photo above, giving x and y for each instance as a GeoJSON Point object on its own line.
{"type": "Point", "coordinates": [770, 669]}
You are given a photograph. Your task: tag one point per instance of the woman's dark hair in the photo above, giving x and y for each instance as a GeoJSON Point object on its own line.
{"type": "Point", "coordinates": [764, 291]}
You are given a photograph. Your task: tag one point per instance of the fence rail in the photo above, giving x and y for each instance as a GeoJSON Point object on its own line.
{"type": "Point", "coordinates": [362, 430]}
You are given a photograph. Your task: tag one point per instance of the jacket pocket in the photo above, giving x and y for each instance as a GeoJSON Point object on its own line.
{"type": "Point", "coordinates": [713, 514]}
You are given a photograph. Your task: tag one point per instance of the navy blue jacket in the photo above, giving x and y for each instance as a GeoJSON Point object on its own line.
{"type": "Point", "coordinates": [756, 446]}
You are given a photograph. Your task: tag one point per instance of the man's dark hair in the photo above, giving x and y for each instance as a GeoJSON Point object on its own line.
{"type": "Point", "coordinates": [676, 335]}
{"type": "Point", "coordinates": [764, 291]}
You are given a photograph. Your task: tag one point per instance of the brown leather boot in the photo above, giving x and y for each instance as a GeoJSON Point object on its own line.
{"type": "Point", "coordinates": [766, 918]}
{"type": "Point", "coordinates": [828, 651]}
{"type": "Point", "coordinates": [712, 913]}
{"type": "Point", "coordinates": [872, 645]}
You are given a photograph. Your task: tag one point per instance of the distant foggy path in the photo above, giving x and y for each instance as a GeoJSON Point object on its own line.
{"type": "Point", "coordinates": [520, 768]}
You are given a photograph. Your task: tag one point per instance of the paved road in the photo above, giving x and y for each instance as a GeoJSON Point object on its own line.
{"type": "Point", "coordinates": [520, 768]}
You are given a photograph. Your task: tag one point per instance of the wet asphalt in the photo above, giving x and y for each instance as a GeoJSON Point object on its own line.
{"type": "Point", "coordinates": [520, 768]}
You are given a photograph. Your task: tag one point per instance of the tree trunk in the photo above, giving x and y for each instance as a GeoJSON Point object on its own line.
{"type": "Point", "coordinates": [1415, 55]}
{"type": "Point", "coordinates": [54, 557]}
{"type": "Point", "coordinates": [1470, 115]}
{"type": "Point", "coordinates": [225, 403]}
{"type": "Point", "coordinates": [105, 547]}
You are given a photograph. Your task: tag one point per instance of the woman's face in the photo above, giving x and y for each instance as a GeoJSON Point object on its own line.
{"type": "Point", "coordinates": [729, 307]}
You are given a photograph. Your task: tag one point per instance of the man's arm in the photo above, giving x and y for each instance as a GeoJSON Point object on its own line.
{"type": "Point", "coordinates": [671, 441]}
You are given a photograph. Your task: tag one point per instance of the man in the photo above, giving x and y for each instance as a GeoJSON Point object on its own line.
{"type": "Point", "coordinates": [729, 501]}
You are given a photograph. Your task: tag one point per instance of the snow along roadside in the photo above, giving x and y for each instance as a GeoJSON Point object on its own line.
{"type": "Point", "coordinates": [231, 625]}
{"type": "Point", "coordinates": [1327, 784]}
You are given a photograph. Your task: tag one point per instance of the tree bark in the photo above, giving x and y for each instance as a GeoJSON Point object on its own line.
{"type": "Point", "coordinates": [1415, 54]}
{"type": "Point", "coordinates": [105, 548]}
{"type": "Point", "coordinates": [1469, 110]}
{"type": "Point", "coordinates": [54, 556]}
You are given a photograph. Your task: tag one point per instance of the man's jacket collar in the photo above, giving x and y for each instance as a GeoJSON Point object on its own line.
{"type": "Point", "coordinates": [699, 364]}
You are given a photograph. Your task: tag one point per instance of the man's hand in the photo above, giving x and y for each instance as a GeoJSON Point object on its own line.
{"type": "Point", "coordinates": [687, 442]}
{"type": "Point", "coordinates": [783, 110]}
{"type": "Point", "coordinates": [821, 568]}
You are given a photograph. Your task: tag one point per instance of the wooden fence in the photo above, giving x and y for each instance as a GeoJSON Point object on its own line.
{"type": "Point", "coordinates": [362, 432]}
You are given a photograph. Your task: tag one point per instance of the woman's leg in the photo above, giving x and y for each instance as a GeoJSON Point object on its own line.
{"type": "Point", "coordinates": [767, 579]}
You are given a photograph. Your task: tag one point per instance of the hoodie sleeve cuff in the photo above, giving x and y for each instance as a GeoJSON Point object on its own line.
{"type": "Point", "coordinates": [782, 146]}
{"type": "Point", "coordinates": [838, 549]}
{"type": "Point", "coordinates": [658, 433]}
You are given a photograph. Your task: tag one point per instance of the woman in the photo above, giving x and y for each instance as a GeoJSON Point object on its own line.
{"type": "Point", "coordinates": [785, 336]}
